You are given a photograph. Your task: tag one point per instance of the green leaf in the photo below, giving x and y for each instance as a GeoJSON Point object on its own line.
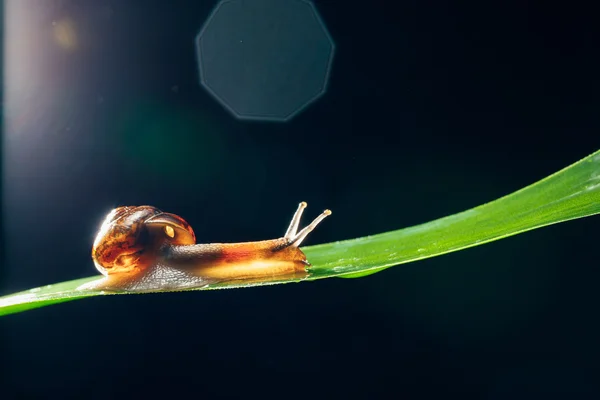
{"type": "Point", "coordinates": [573, 192]}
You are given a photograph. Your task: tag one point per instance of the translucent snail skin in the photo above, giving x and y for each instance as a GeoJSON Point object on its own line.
{"type": "Point", "coordinates": [141, 248]}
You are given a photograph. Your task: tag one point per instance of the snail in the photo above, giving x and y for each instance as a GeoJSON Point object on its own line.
{"type": "Point", "coordinates": [141, 248]}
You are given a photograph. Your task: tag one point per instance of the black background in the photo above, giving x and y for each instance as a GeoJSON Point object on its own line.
{"type": "Point", "coordinates": [433, 107]}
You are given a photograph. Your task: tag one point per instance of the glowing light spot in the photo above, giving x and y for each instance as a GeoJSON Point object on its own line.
{"type": "Point", "coordinates": [264, 59]}
{"type": "Point", "coordinates": [169, 231]}
{"type": "Point", "coordinates": [64, 34]}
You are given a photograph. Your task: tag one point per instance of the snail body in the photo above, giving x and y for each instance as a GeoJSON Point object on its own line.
{"type": "Point", "coordinates": [141, 248]}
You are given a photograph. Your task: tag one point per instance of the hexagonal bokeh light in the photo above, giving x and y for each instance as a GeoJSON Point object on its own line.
{"type": "Point", "coordinates": [264, 59]}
